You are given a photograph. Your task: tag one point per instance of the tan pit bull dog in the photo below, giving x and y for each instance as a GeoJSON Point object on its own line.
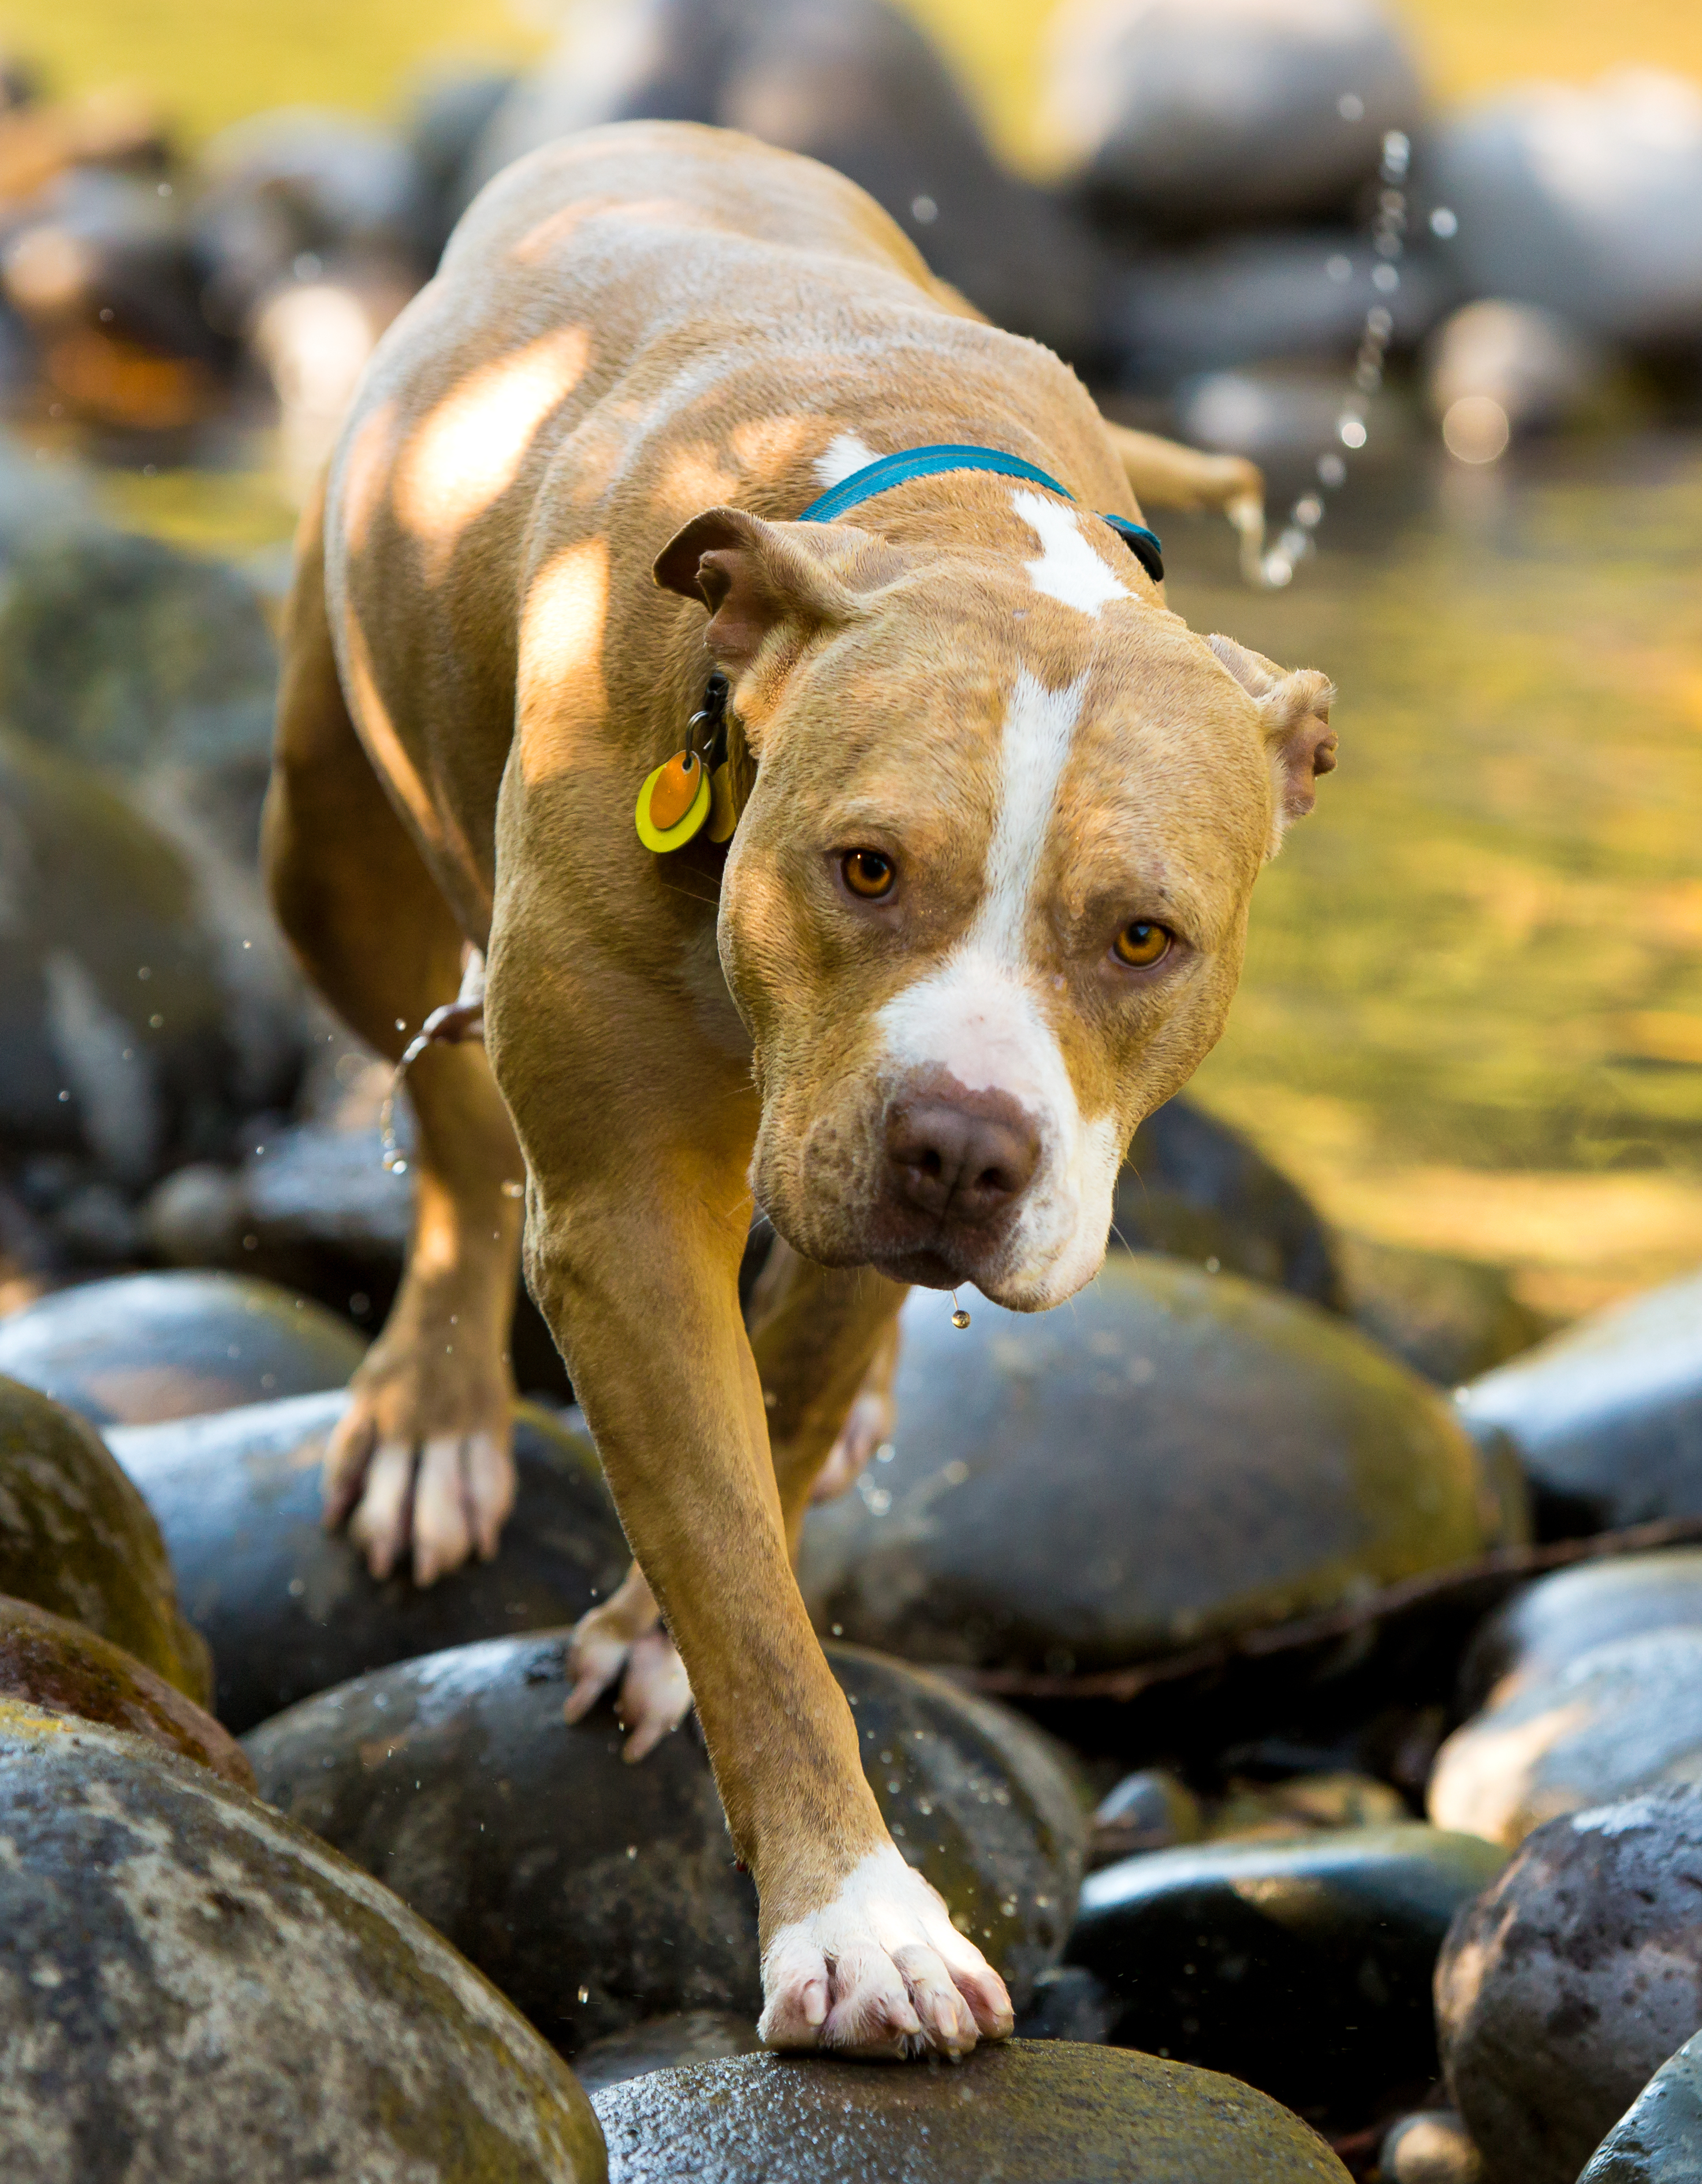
{"type": "Point", "coordinates": [999, 814]}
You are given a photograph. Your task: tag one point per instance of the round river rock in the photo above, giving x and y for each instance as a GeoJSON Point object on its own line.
{"type": "Point", "coordinates": [191, 1988]}
{"type": "Point", "coordinates": [290, 1608]}
{"type": "Point", "coordinates": [141, 1348]}
{"type": "Point", "coordinates": [1175, 1456]}
{"type": "Point", "coordinates": [1657, 2140]}
{"type": "Point", "coordinates": [1565, 1986]}
{"type": "Point", "coordinates": [60, 1667]}
{"type": "Point", "coordinates": [77, 1539]}
{"type": "Point", "coordinates": [1304, 1967]}
{"type": "Point", "coordinates": [596, 1894]}
{"type": "Point", "coordinates": [1546, 1626]}
{"type": "Point", "coordinates": [1052, 2109]}
{"type": "Point", "coordinates": [1607, 1418]}
{"type": "Point", "coordinates": [1620, 1718]}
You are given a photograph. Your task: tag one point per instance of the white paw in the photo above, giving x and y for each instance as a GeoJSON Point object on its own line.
{"type": "Point", "coordinates": [881, 1971]}
{"type": "Point", "coordinates": [622, 1638]}
{"type": "Point", "coordinates": [446, 1495]}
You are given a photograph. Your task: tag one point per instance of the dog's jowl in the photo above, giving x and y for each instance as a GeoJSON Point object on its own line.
{"type": "Point", "coordinates": [998, 816]}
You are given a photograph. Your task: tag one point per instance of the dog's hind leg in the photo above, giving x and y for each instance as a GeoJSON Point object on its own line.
{"type": "Point", "coordinates": [1164, 474]}
{"type": "Point", "coordinates": [423, 1455]}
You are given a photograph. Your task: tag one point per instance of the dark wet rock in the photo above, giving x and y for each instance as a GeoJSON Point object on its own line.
{"type": "Point", "coordinates": [287, 192]}
{"type": "Point", "coordinates": [1194, 1188]}
{"type": "Point", "coordinates": [290, 1608]}
{"type": "Point", "coordinates": [64, 1669]}
{"type": "Point", "coordinates": [1192, 113]}
{"type": "Point", "coordinates": [1565, 1986]}
{"type": "Point", "coordinates": [1303, 1805]}
{"type": "Point", "coordinates": [1177, 1455]}
{"type": "Point", "coordinates": [1069, 2003]}
{"type": "Point", "coordinates": [662, 2043]}
{"type": "Point", "coordinates": [1449, 1318]}
{"type": "Point", "coordinates": [141, 1348]}
{"type": "Point", "coordinates": [1658, 2138]}
{"type": "Point", "coordinates": [1006, 2115]}
{"type": "Point", "coordinates": [1431, 2148]}
{"type": "Point", "coordinates": [450, 1779]}
{"type": "Point", "coordinates": [1152, 1809]}
{"type": "Point", "coordinates": [1243, 299]}
{"type": "Point", "coordinates": [449, 108]}
{"type": "Point", "coordinates": [77, 1539]}
{"type": "Point", "coordinates": [1546, 1626]}
{"type": "Point", "coordinates": [1617, 1719]}
{"type": "Point", "coordinates": [1303, 1967]}
{"type": "Point", "coordinates": [1607, 1418]}
{"type": "Point", "coordinates": [853, 83]}
{"type": "Point", "coordinates": [122, 1021]}
{"type": "Point", "coordinates": [191, 1988]}
{"type": "Point", "coordinates": [1585, 200]}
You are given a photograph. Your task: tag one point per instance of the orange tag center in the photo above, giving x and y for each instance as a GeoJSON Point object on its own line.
{"type": "Point", "coordinates": [676, 790]}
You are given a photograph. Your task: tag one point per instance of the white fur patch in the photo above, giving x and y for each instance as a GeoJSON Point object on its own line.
{"type": "Point", "coordinates": [1068, 569]}
{"type": "Point", "coordinates": [978, 1014]}
{"type": "Point", "coordinates": [843, 457]}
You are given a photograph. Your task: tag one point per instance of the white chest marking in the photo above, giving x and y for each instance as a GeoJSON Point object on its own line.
{"type": "Point", "coordinates": [1068, 569]}
{"type": "Point", "coordinates": [844, 456]}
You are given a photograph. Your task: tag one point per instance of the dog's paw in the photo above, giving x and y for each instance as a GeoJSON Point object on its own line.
{"type": "Point", "coordinates": [443, 1494]}
{"type": "Point", "coordinates": [881, 1971]}
{"type": "Point", "coordinates": [623, 1639]}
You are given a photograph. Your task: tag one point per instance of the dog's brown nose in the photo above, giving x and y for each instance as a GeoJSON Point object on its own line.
{"type": "Point", "coordinates": [960, 1163]}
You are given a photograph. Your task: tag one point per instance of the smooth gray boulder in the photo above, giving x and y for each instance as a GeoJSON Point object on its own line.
{"type": "Point", "coordinates": [596, 1894]}
{"type": "Point", "coordinates": [1658, 2138]}
{"type": "Point", "coordinates": [1564, 1987]}
{"type": "Point", "coordinates": [1546, 1626]}
{"type": "Point", "coordinates": [1175, 1456]}
{"type": "Point", "coordinates": [191, 1988]}
{"type": "Point", "coordinates": [1054, 2110]}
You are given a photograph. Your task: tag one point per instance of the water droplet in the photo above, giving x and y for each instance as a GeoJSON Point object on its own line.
{"type": "Point", "coordinates": [1352, 432]}
{"type": "Point", "coordinates": [1331, 470]}
{"type": "Point", "coordinates": [1384, 279]}
{"type": "Point", "coordinates": [1351, 106]}
{"type": "Point", "coordinates": [1444, 221]}
{"type": "Point", "coordinates": [960, 1317]}
{"type": "Point", "coordinates": [923, 211]}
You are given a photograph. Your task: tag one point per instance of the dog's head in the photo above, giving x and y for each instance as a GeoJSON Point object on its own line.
{"type": "Point", "coordinates": [986, 907]}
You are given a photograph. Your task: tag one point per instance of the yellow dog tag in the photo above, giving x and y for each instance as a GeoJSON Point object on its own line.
{"type": "Point", "coordinates": [673, 803]}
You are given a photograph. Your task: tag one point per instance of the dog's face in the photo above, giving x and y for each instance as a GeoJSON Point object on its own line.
{"type": "Point", "coordinates": [986, 907]}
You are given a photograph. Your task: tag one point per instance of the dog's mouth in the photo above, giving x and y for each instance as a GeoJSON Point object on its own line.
{"type": "Point", "coordinates": [923, 1270]}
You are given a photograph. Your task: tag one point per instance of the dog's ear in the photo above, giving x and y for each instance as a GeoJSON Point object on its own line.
{"type": "Point", "coordinates": [1294, 706]}
{"type": "Point", "coordinates": [754, 576]}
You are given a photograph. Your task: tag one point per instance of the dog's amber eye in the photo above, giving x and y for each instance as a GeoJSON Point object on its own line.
{"type": "Point", "coordinates": [867, 873]}
{"type": "Point", "coordinates": [1141, 944]}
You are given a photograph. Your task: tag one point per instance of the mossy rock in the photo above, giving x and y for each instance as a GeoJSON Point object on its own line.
{"type": "Point", "coordinates": [191, 1988]}
{"type": "Point", "coordinates": [1302, 1966]}
{"type": "Point", "coordinates": [289, 1608]}
{"type": "Point", "coordinates": [140, 1348]}
{"type": "Point", "coordinates": [1031, 2112]}
{"type": "Point", "coordinates": [62, 1667]}
{"type": "Point", "coordinates": [1448, 1318]}
{"type": "Point", "coordinates": [1173, 1456]}
{"type": "Point", "coordinates": [76, 1538]}
{"type": "Point", "coordinates": [596, 1894]}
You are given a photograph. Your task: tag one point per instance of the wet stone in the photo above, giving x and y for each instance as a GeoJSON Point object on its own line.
{"type": "Point", "coordinates": [1546, 1626]}
{"type": "Point", "coordinates": [1431, 2148]}
{"type": "Point", "coordinates": [1565, 1986]}
{"type": "Point", "coordinates": [49, 1662]}
{"type": "Point", "coordinates": [1186, 114]}
{"type": "Point", "coordinates": [290, 1608]}
{"type": "Point", "coordinates": [141, 1348]}
{"type": "Point", "coordinates": [1177, 1456]}
{"type": "Point", "coordinates": [1028, 2110]}
{"type": "Point", "coordinates": [1304, 1967]}
{"type": "Point", "coordinates": [191, 1988]}
{"type": "Point", "coordinates": [1618, 1718]}
{"type": "Point", "coordinates": [1197, 1190]}
{"type": "Point", "coordinates": [1658, 2138]}
{"type": "Point", "coordinates": [662, 2043]}
{"type": "Point", "coordinates": [1448, 1318]}
{"type": "Point", "coordinates": [596, 1894]}
{"type": "Point", "coordinates": [77, 1539]}
{"type": "Point", "coordinates": [1607, 1418]}
{"type": "Point", "coordinates": [1152, 1809]}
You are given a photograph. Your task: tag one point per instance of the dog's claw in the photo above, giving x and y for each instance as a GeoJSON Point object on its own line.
{"type": "Point", "coordinates": [881, 1971]}
{"type": "Point", "coordinates": [444, 1496]}
{"type": "Point", "coordinates": [623, 1635]}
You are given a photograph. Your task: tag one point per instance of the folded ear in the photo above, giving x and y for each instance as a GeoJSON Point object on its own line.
{"type": "Point", "coordinates": [755, 577]}
{"type": "Point", "coordinates": [1294, 706]}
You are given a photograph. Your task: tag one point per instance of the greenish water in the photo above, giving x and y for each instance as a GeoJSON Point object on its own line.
{"type": "Point", "coordinates": [1484, 949]}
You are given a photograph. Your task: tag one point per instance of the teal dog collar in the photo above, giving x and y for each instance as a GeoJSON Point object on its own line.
{"type": "Point", "coordinates": [930, 462]}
